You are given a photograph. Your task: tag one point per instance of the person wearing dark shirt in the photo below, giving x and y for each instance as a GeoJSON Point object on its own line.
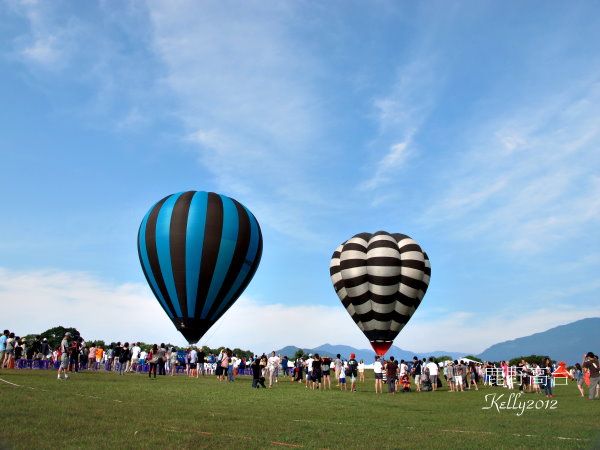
{"type": "Point", "coordinates": [316, 372]}
{"type": "Point", "coordinates": [353, 371]}
{"type": "Point", "coordinates": [391, 371]}
{"type": "Point", "coordinates": [257, 378]}
{"type": "Point", "coordinates": [416, 373]}
{"type": "Point", "coordinates": [591, 365]}
{"type": "Point", "coordinates": [201, 361]}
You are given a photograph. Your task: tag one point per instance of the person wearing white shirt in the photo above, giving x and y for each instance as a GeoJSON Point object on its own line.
{"type": "Point", "coordinates": [378, 374]}
{"type": "Point", "coordinates": [308, 365]}
{"type": "Point", "coordinates": [143, 355]}
{"type": "Point", "coordinates": [135, 357]}
{"type": "Point", "coordinates": [272, 365]}
{"type": "Point", "coordinates": [434, 371]}
{"type": "Point", "coordinates": [193, 362]}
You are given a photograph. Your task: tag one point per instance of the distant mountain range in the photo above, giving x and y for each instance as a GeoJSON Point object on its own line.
{"type": "Point", "coordinates": [366, 355]}
{"type": "Point", "coordinates": [563, 343]}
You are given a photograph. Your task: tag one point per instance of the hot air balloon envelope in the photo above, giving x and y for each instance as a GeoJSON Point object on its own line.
{"type": "Point", "coordinates": [198, 250]}
{"type": "Point", "coordinates": [380, 279]}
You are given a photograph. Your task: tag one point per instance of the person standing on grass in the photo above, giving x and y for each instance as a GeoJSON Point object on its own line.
{"type": "Point", "coordinates": [9, 354]}
{"type": "Point", "coordinates": [135, 357]}
{"type": "Point", "coordinates": [342, 380]}
{"type": "Point", "coordinates": [124, 356]}
{"type": "Point", "coordinates": [73, 356]}
{"type": "Point", "coordinates": [143, 355]}
{"type": "Point", "coordinates": [308, 365]}
{"type": "Point", "coordinates": [230, 368]}
{"type": "Point", "coordinates": [459, 375]}
{"type": "Point", "coordinates": [316, 372]}
{"type": "Point", "coordinates": [64, 356]}
{"type": "Point", "coordinates": [391, 371]}
{"type": "Point", "coordinates": [353, 366]}
{"type": "Point", "coordinates": [153, 360]}
{"type": "Point", "coordinates": [173, 361]}
{"type": "Point", "coordinates": [91, 357]}
{"type": "Point", "coordinates": [299, 367]}
{"type": "Point", "coordinates": [3, 339]}
{"type": "Point", "coordinates": [193, 362]}
{"type": "Point", "coordinates": [326, 370]}
{"type": "Point", "coordinates": [257, 378]}
{"type": "Point", "coordinates": [416, 372]}
{"type": "Point", "coordinates": [337, 365]}
{"type": "Point", "coordinates": [99, 355]}
{"type": "Point", "coordinates": [434, 371]}
{"type": "Point", "coordinates": [578, 377]}
{"type": "Point", "coordinates": [473, 375]}
{"type": "Point", "coordinates": [285, 363]}
{"type": "Point", "coordinates": [162, 358]}
{"type": "Point", "coordinates": [272, 365]}
{"type": "Point", "coordinates": [361, 371]}
{"type": "Point", "coordinates": [378, 374]}
{"type": "Point", "coordinates": [202, 361]}
{"type": "Point", "coordinates": [591, 365]}
{"type": "Point", "coordinates": [224, 364]}
{"type": "Point", "coordinates": [547, 377]}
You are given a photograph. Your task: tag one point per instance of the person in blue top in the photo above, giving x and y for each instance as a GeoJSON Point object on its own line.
{"type": "Point", "coordinates": [284, 366]}
{"type": "Point", "coordinates": [578, 376]}
{"type": "Point", "coordinates": [3, 339]}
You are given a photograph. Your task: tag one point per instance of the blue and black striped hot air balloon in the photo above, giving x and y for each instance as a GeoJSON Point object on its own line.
{"type": "Point", "coordinates": [199, 250]}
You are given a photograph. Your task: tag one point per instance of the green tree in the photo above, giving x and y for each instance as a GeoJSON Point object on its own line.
{"type": "Point", "coordinates": [531, 359]}
{"type": "Point", "coordinates": [299, 354]}
{"type": "Point", "coordinates": [439, 359]}
{"type": "Point", "coordinates": [55, 335]}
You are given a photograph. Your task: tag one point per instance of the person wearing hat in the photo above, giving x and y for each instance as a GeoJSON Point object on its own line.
{"type": "Point", "coordinates": [45, 348]}
{"type": "Point", "coordinates": [591, 365]}
{"type": "Point", "coordinates": [64, 356]}
{"type": "Point", "coordinates": [353, 369]}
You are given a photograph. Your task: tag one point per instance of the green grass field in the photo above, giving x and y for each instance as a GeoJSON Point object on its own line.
{"type": "Point", "coordinates": [102, 409]}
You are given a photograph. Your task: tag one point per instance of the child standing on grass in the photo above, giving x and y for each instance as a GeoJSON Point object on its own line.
{"type": "Point", "coordinates": [342, 380]}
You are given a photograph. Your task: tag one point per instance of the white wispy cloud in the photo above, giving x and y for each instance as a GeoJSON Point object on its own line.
{"type": "Point", "coordinates": [246, 94]}
{"type": "Point", "coordinates": [61, 46]}
{"type": "Point", "coordinates": [49, 45]}
{"type": "Point", "coordinates": [34, 301]}
{"type": "Point", "coordinates": [530, 174]}
{"type": "Point", "coordinates": [400, 114]}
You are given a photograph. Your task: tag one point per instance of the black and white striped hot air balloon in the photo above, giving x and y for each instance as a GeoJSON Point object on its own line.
{"type": "Point", "coordinates": [381, 279]}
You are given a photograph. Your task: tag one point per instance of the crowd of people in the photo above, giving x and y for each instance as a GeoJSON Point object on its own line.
{"type": "Point", "coordinates": [314, 371]}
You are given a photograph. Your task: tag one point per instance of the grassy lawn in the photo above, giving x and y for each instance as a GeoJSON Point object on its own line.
{"type": "Point", "coordinates": [106, 410]}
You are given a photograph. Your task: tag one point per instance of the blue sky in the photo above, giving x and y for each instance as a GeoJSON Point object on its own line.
{"type": "Point", "coordinates": [473, 127]}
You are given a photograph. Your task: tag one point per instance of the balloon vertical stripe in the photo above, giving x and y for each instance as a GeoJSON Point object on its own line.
{"type": "Point", "coordinates": [163, 248]}
{"type": "Point", "coordinates": [143, 254]}
{"type": "Point", "coordinates": [252, 257]}
{"type": "Point", "coordinates": [229, 234]}
{"type": "Point", "coordinates": [178, 245]}
{"type": "Point", "coordinates": [196, 219]}
{"type": "Point", "coordinates": [237, 259]}
{"type": "Point", "coordinates": [198, 251]}
{"type": "Point", "coordinates": [245, 252]}
{"type": "Point", "coordinates": [210, 249]}
{"type": "Point", "coordinates": [150, 245]}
